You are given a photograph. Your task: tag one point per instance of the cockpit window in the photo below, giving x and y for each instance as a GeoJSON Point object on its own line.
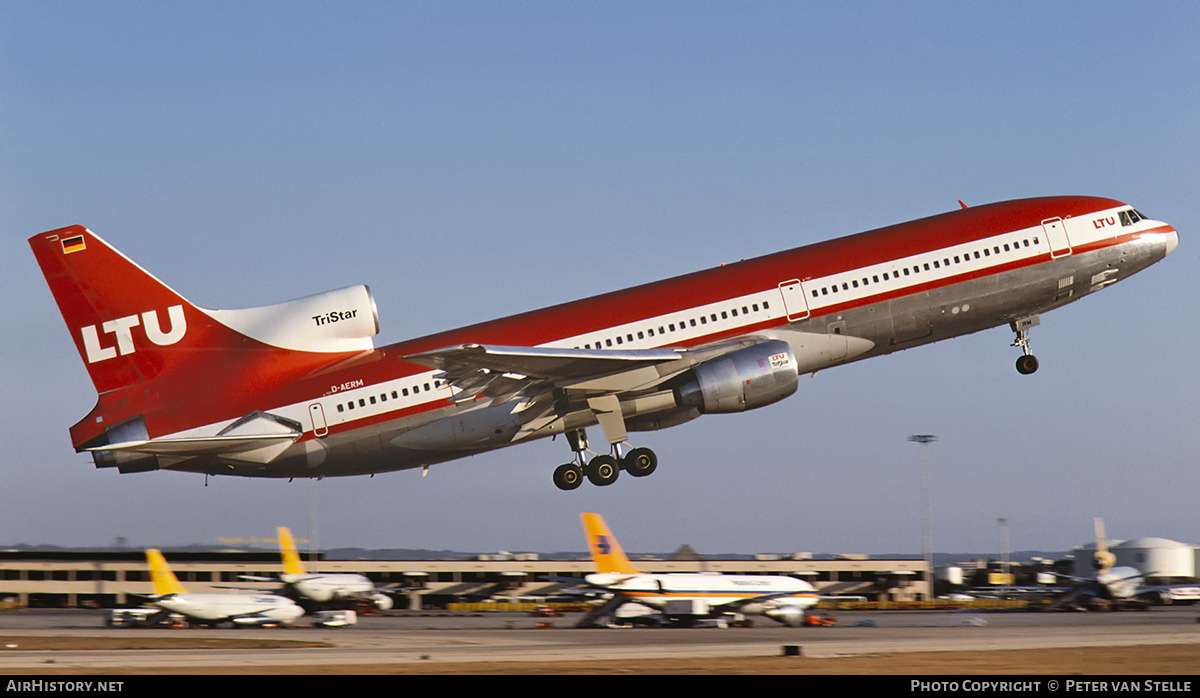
{"type": "Point", "coordinates": [1130, 216]}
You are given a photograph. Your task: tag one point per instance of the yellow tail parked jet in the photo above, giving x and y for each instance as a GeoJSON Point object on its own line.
{"type": "Point", "coordinates": [211, 609]}
{"type": "Point", "coordinates": [323, 588]}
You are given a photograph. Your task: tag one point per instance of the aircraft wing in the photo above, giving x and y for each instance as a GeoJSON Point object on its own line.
{"type": "Point", "coordinates": [739, 603]}
{"type": "Point", "coordinates": [540, 362]}
{"type": "Point", "coordinates": [260, 590]}
{"type": "Point", "coordinates": [1072, 596]}
{"type": "Point", "coordinates": [505, 371]}
{"type": "Point", "coordinates": [992, 592]}
{"type": "Point", "coordinates": [535, 378]}
{"type": "Point", "coordinates": [396, 588]}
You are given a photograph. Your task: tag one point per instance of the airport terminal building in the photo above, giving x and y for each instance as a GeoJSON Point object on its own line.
{"type": "Point", "coordinates": [112, 579]}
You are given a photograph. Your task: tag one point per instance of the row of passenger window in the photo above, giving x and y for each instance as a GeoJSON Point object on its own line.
{"type": "Point", "coordinates": [383, 397]}
{"type": "Point", "coordinates": [680, 326]}
{"type": "Point", "coordinates": [927, 266]}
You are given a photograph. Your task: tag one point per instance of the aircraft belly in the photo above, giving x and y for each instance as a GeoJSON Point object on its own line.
{"type": "Point", "coordinates": [984, 303]}
{"type": "Point", "coordinates": [469, 429]}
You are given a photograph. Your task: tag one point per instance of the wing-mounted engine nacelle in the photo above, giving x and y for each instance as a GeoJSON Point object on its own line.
{"type": "Point", "coordinates": [790, 616]}
{"type": "Point", "coordinates": [342, 320]}
{"type": "Point", "coordinates": [383, 602]}
{"type": "Point", "coordinates": [743, 380]}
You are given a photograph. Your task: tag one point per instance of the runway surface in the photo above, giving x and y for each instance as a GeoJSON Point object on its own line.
{"type": "Point", "coordinates": [404, 638]}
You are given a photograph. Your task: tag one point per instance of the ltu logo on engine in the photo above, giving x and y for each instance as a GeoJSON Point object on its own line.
{"type": "Point", "coordinates": [122, 329]}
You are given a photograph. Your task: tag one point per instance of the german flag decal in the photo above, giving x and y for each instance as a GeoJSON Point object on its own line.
{"type": "Point", "coordinates": [74, 244]}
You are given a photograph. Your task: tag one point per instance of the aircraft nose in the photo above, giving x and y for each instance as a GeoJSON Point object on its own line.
{"type": "Point", "coordinates": [1172, 241]}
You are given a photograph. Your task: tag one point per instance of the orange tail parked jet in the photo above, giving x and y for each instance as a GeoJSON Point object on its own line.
{"type": "Point", "coordinates": [298, 389]}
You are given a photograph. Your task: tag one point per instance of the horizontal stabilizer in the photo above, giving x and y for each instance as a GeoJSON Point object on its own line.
{"type": "Point", "coordinates": [256, 438]}
{"type": "Point", "coordinates": [198, 445]}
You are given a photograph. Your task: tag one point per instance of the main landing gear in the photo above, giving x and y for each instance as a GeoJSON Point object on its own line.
{"type": "Point", "coordinates": [602, 470]}
{"type": "Point", "coordinates": [1027, 363]}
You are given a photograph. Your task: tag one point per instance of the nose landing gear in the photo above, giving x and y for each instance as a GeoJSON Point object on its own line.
{"type": "Point", "coordinates": [1027, 363]}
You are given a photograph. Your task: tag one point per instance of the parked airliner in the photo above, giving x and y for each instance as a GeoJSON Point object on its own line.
{"type": "Point", "coordinates": [298, 389]}
{"type": "Point", "coordinates": [682, 598]}
{"type": "Point", "coordinates": [320, 589]}
{"type": "Point", "coordinates": [1114, 586]}
{"type": "Point", "coordinates": [211, 609]}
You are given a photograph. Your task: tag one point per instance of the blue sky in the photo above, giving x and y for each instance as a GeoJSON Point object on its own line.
{"type": "Point", "coordinates": [470, 160]}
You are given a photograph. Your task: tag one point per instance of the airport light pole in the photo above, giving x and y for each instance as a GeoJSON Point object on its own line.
{"type": "Point", "coordinates": [1005, 565]}
{"type": "Point", "coordinates": [926, 514]}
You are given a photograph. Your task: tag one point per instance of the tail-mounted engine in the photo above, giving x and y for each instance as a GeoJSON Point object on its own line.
{"type": "Point", "coordinates": [748, 378]}
{"type": "Point", "coordinates": [334, 321]}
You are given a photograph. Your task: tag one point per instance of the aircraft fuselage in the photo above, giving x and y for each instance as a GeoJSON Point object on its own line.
{"type": "Point", "coordinates": [793, 312]}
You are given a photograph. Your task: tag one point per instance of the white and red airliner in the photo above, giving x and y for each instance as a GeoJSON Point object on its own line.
{"type": "Point", "coordinates": [298, 389]}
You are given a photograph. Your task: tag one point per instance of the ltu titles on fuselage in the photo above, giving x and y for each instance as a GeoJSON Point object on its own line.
{"type": "Point", "coordinates": [334, 316]}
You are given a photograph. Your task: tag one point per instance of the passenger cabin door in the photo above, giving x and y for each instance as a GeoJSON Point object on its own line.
{"type": "Point", "coordinates": [795, 304]}
{"type": "Point", "coordinates": [316, 413]}
{"type": "Point", "coordinates": [1056, 235]}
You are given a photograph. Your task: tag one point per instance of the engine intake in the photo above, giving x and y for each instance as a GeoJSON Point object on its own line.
{"type": "Point", "coordinates": [744, 380]}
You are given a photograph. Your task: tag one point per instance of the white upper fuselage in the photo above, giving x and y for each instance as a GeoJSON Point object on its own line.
{"type": "Point", "coordinates": [328, 587]}
{"type": "Point", "coordinates": [256, 608]}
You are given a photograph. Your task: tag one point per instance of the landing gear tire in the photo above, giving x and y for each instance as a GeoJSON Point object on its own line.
{"type": "Point", "coordinates": [640, 462]}
{"type": "Point", "coordinates": [1027, 364]}
{"type": "Point", "coordinates": [603, 470]}
{"type": "Point", "coordinates": [568, 476]}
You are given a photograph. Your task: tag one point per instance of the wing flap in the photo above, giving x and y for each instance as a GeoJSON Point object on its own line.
{"type": "Point", "coordinates": [505, 372]}
{"type": "Point", "coordinates": [546, 363]}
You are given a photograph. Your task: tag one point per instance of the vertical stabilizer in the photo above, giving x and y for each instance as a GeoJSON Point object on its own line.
{"type": "Point", "coordinates": [127, 325]}
{"type": "Point", "coordinates": [287, 549]}
{"type": "Point", "coordinates": [606, 551]}
{"type": "Point", "coordinates": [165, 582]}
{"type": "Point", "coordinates": [1103, 560]}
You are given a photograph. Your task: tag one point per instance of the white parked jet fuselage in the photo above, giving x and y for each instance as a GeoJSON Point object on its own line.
{"type": "Point", "coordinates": [297, 389]}
{"type": "Point", "coordinates": [658, 591]}
{"type": "Point", "coordinates": [319, 587]}
{"type": "Point", "coordinates": [241, 609]}
{"type": "Point", "coordinates": [324, 588]}
{"type": "Point", "coordinates": [245, 609]}
{"type": "Point", "coordinates": [687, 596]}
{"type": "Point", "coordinates": [1121, 585]}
